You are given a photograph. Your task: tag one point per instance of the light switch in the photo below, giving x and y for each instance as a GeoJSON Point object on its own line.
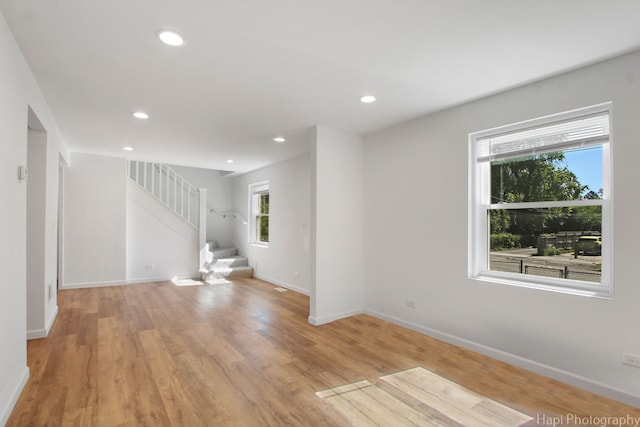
{"type": "Point", "coordinates": [23, 173]}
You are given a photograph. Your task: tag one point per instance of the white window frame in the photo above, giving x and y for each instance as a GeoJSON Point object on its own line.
{"type": "Point", "coordinates": [255, 190]}
{"type": "Point", "coordinates": [480, 204]}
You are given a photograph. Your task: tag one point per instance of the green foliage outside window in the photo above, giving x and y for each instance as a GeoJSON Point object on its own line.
{"type": "Point", "coordinates": [533, 179]}
{"type": "Point", "coordinates": [262, 220]}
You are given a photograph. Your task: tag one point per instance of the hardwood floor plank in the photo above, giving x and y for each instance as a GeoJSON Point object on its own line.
{"type": "Point", "coordinates": [242, 354]}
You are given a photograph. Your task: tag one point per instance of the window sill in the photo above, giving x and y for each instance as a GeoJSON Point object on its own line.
{"type": "Point", "coordinates": [259, 245]}
{"type": "Point", "coordinates": [564, 286]}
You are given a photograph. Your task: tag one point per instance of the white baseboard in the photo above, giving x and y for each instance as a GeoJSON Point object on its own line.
{"type": "Point", "coordinates": [283, 284]}
{"type": "Point", "coordinates": [194, 276]}
{"type": "Point", "coordinates": [35, 334]}
{"type": "Point", "coordinates": [121, 283]}
{"type": "Point", "coordinates": [83, 285]}
{"type": "Point", "coordinates": [531, 365]}
{"type": "Point", "coordinates": [52, 319]}
{"type": "Point", "coordinates": [42, 333]}
{"type": "Point", "coordinates": [317, 321]}
{"type": "Point", "coordinates": [16, 390]}
{"type": "Point", "coordinates": [151, 280]}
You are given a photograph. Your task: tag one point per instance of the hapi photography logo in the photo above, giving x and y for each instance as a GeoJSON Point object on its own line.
{"type": "Point", "coordinates": [581, 420]}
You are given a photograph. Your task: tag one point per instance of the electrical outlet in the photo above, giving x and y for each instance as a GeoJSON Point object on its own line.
{"type": "Point", "coordinates": [411, 303]}
{"type": "Point", "coordinates": [296, 274]}
{"type": "Point", "coordinates": [631, 360]}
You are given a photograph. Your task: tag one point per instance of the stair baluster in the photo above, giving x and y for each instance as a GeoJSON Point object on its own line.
{"type": "Point", "coordinates": [168, 187]}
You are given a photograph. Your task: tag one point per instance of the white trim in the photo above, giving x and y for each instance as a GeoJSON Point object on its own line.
{"type": "Point", "coordinates": [549, 204]}
{"type": "Point", "coordinates": [283, 284]}
{"type": "Point", "coordinates": [14, 396]}
{"type": "Point", "coordinates": [522, 362]}
{"type": "Point", "coordinates": [43, 333]}
{"type": "Point", "coordinates": [52, 319]}
{"type": "Point", "coordinates": [203, 246]}
{"type": "Point", "coordinates": [83, 285]}
{"type": "Point", "coordinates": [564, 286]}
{"type": "Point", "coordinates": [161, 279]}
{"type": "Point", "coordinates": [36, 334]}
{"type": "Point", "coordinates": [125, 282]}
{"type": "Point", "coordinates": [62, 164]}
{"type": "Point", "coordinates": [317, 321]}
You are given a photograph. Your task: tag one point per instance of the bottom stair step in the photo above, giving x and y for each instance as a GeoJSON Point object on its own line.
{"type": "Point", "coordinates": [231, 272]}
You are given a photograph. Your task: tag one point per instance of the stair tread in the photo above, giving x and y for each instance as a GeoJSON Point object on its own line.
{"type": "Point", "coordinates": [231, 261]}
{"type": "Point", "coordinates": [238, 268]}
{"type": "Point", "coordinates": [224, 252]}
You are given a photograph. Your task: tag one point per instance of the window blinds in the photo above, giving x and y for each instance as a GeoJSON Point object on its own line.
{"type": "Point", "coordinates": [574, 133]}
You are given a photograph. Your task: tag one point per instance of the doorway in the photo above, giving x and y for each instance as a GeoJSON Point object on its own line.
{"type": "Point", "coordinates": [39, 292]}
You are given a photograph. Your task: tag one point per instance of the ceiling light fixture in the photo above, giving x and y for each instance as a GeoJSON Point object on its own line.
{"type": "Point", "coordinates": [279, 139]}
{"type": "Point", "coordinates": [127, 148]}
{"type": "Point", "coordinates": [231, 161]}
{"type": "Point", "coordinates": [140, 115]}
{"type": "Point", "coordinates": [171, 38]}
{"type": "Point", "coordinates": [368, 99]}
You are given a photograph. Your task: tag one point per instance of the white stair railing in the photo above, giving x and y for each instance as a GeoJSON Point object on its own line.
{"type": "Point", "coordinates": [168, 187]}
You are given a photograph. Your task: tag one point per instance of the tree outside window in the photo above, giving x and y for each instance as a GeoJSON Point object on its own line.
{"type": "Point", "coordinates": [259, 213]}
{"type": "Point", "coordinates": [262, 218]}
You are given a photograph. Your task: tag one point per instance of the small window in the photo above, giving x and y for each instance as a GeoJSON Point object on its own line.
{"type": "Point", "coordinates": [540, 197]}
{"type": "Point", "coordinates": [259, 208]}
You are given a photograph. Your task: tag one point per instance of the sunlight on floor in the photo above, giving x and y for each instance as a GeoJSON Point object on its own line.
{"type": "Point", "coordinates": [441, 402]}
{"type": "Point", "coordinates": [187, 282]}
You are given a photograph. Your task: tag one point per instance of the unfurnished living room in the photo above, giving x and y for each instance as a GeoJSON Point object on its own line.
{"type": "Point", "coordinates": [312, 213]}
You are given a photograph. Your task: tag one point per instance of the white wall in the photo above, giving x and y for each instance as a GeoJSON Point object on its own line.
{"type": "Point", "coordinates": [416, 240]}
{"type": "Point", "coordinates": [95, 203]}
{"type": "Point", "coordinates": [160, 244]}
{"type": "Point", "coordinates": [337, 226]}
{"type": "Point", "coordinates": [218, 187]}
{"type": "Point", "coordinates": [286, 261]}
{"type": "Point", "coordinates": [19, 92]}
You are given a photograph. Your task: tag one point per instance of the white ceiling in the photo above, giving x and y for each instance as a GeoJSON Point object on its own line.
{"type": "Point", "coordinates": [254, 69]}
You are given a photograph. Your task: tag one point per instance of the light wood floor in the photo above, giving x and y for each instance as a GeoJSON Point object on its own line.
{"type": "Point", "coordinates": [242, 354]}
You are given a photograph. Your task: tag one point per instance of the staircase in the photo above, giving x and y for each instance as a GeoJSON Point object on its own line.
{"type": "Point", "coordinates": [225, 263]}
{"type": "Point", "coordinates": [189, 202]}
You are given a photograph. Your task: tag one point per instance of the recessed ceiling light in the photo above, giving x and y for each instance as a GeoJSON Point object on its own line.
{"type": "Point", "coordinates": [230, 161]}
{"type": "Point", "coordinates": [368, 99]}
{"type": "Point", "coordinates": [127, 148]}
{"type": "Point", "coordinates": [279, 139]}
{"type": "Point", "coordinates": [140, 115]}
{"type": "Point", "coordinates": [171, 38]}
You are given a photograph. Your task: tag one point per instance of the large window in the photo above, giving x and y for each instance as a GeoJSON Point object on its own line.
{"type": "Point", "coordinates": [540, 203]}
{"type": "Point", "coordinates": [259, 213]}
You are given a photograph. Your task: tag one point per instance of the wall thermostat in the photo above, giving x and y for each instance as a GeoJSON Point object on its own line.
{"type": "Point", "coordinates": [23, 173]}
